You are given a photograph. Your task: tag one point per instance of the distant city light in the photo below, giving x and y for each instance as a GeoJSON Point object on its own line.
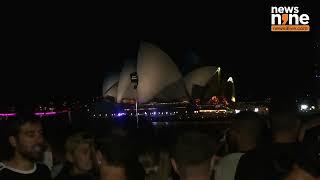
{"type": "Point", "coordinates": [121, 114]}
{"type": "Point", "coordinates": [237, 111]}
{"type": "Point", "coordinates": [256, 109]}
{"type": "Point", "coordinates": [304, 107]}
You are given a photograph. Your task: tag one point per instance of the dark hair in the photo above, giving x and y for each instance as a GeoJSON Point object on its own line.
{"type": "Point", "coordinates": [21, 119]}
{"type": "Point", "coordinates": [192, 148]}
{"type": "Point", "coordinates": [249, 124]}
{"type": "Point", "coordinates": [115, 149]}
{"type": "Point", "coordinates": [283, 114]}
{"type": "Point", "coordinates": [13, 129]}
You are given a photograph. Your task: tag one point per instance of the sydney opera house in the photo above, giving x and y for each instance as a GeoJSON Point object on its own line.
{"type": "Point", "coordinates": [153, 79]}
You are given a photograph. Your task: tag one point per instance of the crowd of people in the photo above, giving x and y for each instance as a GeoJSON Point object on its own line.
{"type": "Point", "coordinates": [279, 147]}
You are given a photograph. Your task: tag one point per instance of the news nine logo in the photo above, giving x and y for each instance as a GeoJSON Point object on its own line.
{"type": "Point", "coordinates": [289, 19]}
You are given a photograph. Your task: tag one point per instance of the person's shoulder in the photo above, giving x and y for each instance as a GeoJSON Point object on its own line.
{"type": "Point", "coordinates": [252, 153]}
{"type": "Point", "coordinates": [63, 174]}
{"type": "Point", "coordinates": [4, 172]}
{"type": "Point", "coordinates": [233, 157]}
{"type": "Point", "coordinates": [2, 166]}
{"type": "Point", "coordinates": [43, 169]}
{"type": "Point", "coordinates": [254, 157]}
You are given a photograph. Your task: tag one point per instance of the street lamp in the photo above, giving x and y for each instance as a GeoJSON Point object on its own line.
{"type": "Point", "coordinates": [219, 76]}
{"type": "Point", "coordinates": [233, 96]}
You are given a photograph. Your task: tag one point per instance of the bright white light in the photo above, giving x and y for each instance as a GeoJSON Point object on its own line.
{"type": "Point", "coordinates": [304, 107]}
{"type": "Point", "coordinates": [237, 111]}
{"type": "Point", "coordinates": [230, 79]}
{"type": "Point", "coordinates": [312, 107]}
{"type": "Point", "coordinates": [256, 109]}
{"type": "Point", "coordinates": [233, 99]}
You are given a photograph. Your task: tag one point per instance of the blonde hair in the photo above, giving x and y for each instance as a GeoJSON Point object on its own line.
{"type": "Point", "coordinates": [74, 140]}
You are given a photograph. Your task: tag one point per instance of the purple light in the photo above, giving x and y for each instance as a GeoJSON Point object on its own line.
{"type": "Point", "coordinates": [7, 114]}
{"type": "Point", "coordinates": [45, 113]}
{"type": "Point", "coordinates": [121, 114]}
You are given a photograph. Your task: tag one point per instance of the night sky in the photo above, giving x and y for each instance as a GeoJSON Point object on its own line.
{"type": "Point", "coordinates": [69, 57]}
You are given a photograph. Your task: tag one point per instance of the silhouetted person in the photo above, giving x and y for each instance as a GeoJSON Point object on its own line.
{"type": "Point", "coordinates": [307, 167]}
{"type": "Point", "coordinates": [156, 163]}
{"type": "Point", "coordinates": [113, 154]}
{"type": "Point", "coordinates": [27, 142]}
{"type": "Point", "coordinates": [192, 156]}
{"type": "Point", "coordinates": [275, 160]}
{"type": "Point", "coordinates": [244, 134]}
{"type": "Point", "coordinates": [78, 149]}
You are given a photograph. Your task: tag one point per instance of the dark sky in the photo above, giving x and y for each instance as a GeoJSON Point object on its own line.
{"type": "Point", "coordinates": [63, 56]}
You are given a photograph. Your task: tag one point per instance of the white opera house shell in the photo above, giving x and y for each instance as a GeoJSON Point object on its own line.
{"type": "Point", "coordinates": [160, 80]}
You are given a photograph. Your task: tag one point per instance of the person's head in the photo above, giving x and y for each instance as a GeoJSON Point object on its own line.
{"type": "Point", "coordinates": [309, 159]}
{"type": "Point", "coordinates": [79, 152]}
{"type": "Point", "coordinates": [149, 159]}
{"type": "Point", "coordinates": [192, 155]}
{"type": "Point", "coordinates": [113, 154]}
{"type": "Point", "coordinates": [283, 119]}
{"type": "Point", "coordinates": [25, 136]}
{"type": "Point", "coordinates": [245, 131]}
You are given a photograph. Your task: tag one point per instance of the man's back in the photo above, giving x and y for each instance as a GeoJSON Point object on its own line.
{"type": "Point", "coordinates": [272, 161]}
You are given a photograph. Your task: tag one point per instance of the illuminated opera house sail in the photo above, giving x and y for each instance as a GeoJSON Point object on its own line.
{"type": "Point", "coordinates": [160, 80]}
